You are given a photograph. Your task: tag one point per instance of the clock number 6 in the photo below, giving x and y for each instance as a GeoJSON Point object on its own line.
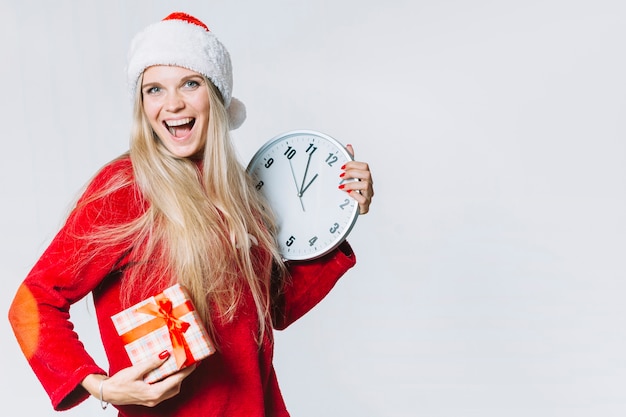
{"type": "Point", "coordinates": [290, 241]}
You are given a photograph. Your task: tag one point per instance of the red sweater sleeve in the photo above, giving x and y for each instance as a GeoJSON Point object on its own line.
{"type": "Point", "coordinates": [39, 313]}
{"type": "Point", "coordinates": [309, 282]}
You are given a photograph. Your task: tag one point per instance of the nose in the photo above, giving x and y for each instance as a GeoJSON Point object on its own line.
{"type": "Point", "coordinates": [174, 102]}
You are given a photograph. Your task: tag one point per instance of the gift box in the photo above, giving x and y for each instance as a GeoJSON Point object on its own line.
{"type": "Point", "coordinates": [167, 321]}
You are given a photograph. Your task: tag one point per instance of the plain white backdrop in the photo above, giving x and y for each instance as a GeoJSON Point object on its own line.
{"type": "Point", "coordinates": [491, 269]}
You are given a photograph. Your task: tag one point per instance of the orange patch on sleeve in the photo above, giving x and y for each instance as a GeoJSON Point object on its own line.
{"type": "Point", "coordinates": [25, 320]}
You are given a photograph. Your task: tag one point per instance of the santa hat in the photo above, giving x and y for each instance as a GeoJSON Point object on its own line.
{"type": "Point", "coordinates": [184, 41]}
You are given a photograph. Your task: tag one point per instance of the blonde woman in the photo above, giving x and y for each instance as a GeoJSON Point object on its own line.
{"type": "Point", "coordinates": [177, 208]}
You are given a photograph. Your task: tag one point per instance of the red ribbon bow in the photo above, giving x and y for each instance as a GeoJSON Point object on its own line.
{"type": "Point", "coordinates": [165, 314]}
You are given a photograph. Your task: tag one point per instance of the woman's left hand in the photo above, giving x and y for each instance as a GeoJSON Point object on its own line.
{"type": "Point", "coordinates": [363, 190]}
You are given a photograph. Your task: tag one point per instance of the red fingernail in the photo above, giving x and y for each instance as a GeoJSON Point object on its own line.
{"type": "Point", "coordinates": [164, 355]}
{"type": "Point", "coordinates": [343, 166]}
{"type": "Point", "coordinates": [342, 186]}
{"type": "Point", "coordinates": [343, 174]}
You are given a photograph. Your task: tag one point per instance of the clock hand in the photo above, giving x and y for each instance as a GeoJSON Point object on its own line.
{"type": "Point", "coordinates": [295, 182]}
{"type": "Point", "coordinates": [308, 185]}
{"type": "Point", "coordinates": [306, 170]}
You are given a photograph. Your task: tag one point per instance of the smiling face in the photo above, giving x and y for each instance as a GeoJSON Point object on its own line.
{"type": "Point", "coordinates": [176, 103]}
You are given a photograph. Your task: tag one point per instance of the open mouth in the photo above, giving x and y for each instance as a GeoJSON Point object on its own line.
{"type": "Point", "coordinates": [180, 128]}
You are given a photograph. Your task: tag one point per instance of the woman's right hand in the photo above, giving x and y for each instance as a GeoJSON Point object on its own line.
{"type": "Point", "coordinates": [127, 387]}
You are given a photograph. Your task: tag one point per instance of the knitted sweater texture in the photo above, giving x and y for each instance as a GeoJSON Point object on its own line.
{"type": "Point", "coordinates": [239, 380]}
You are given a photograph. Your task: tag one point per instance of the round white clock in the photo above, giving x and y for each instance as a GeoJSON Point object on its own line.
{"type": "Point", "coordinates": [299, 175]}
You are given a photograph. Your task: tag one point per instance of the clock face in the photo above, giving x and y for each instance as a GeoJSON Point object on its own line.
{"type": "Point", "coordinates": [298, 173]}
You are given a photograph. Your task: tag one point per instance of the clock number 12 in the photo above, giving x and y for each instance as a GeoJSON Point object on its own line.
{"type": "Point", "coordinates": [332, 158]}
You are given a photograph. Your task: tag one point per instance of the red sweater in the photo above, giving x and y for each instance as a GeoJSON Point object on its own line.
{"type": "Point", "coordinates": [237, 381]}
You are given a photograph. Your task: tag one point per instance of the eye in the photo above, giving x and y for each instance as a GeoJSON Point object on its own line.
{"type": "Point", "coordinates": [152, 90]}
{"type": "Point", "coordinates": [191, 84]}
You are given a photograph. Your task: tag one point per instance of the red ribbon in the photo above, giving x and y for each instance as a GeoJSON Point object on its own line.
{"type": "Point", "coordinates": [165, 314]}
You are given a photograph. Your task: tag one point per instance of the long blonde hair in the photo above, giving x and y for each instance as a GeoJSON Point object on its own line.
{"type": "Point", "coordinates": [202, 221]}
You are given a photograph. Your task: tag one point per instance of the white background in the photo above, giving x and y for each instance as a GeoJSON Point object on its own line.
{"type": "Point", "coordinates": [490, 275]}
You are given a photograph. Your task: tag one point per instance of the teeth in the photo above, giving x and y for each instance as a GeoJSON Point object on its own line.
{"type": "Point", "coordinates": [179, 122]}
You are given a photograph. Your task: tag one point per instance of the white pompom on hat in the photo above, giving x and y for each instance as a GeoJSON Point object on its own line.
{"type": "Point", "coordinates": [184, 41]}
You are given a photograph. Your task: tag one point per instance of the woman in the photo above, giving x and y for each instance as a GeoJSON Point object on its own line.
{"type": "Point", "coordinates": [178, 207]}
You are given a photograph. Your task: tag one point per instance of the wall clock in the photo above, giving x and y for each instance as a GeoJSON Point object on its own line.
{"type": "Point", "coordinates": [298, 173]}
